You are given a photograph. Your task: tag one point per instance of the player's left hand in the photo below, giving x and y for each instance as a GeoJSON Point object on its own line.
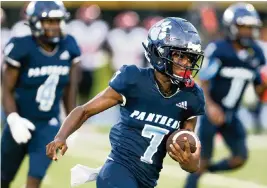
{"type": "Point", "coordinates": [52, 147]}
{"type": "Point", "coordinates": [187, 160]}
{"type": "Point", "coordinates": [20, 128]}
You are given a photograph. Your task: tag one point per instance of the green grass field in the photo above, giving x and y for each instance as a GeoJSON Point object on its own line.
{"type": "Point", "coordinates": [90, 147]}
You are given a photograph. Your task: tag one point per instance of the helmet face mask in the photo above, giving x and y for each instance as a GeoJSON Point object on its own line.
{"type": "Point", "coordinates": [47, 20]}
{"type": "Point", "coordinates": [52, 30]}
{"type": "Point", "coordinates": [177, 53]}
{"type": "Point", "coordinates": [182, 66]}
{"type": "Point", "coordinates": [246, 35]}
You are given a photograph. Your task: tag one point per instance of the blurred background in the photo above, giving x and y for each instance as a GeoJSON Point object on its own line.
{"type": "Point", "coordinates": [109, 34]}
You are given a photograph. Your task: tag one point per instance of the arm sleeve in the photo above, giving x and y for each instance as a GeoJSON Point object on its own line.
{"type": "Point", "coordinates": [198, 105]}
{"type": "Point", "coordinates": [75, 50]}
{"type": "Point", "coordinates": [124, 80]}
{"type": "Point", "coordinates": [14, 52]}
{"type": "Point", "coordinates": [211, 63]}
{"type": "Point", "coordinates": [199, 109]}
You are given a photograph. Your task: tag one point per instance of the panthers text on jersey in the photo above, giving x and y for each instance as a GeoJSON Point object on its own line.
{"type": "Point", "coordinates": [147, 118]}
{"type": "Point", "coordinates": [43, 75]}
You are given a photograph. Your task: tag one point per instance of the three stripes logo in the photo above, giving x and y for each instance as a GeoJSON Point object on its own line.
{"type": "Point", "coordinates": [182, 105]}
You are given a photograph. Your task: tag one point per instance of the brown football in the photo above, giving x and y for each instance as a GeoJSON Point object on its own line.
{"type": "Point", "coordinates": [178, 137]}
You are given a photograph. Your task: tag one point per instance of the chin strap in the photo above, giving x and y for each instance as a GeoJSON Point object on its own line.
{"type": "Point", "coordinates": [188, 79]}
{"type": "Point", "coordinates": [189, 83]}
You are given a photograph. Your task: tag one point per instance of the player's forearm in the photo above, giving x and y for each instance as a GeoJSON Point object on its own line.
{"type": "Point", "coordinates": [9, 103]}
{"type": "Point", "coordinates": [10, 76]}
{"type": "Point", "coordinates": [103, 101]}
{"type": "Point", "coordinates": [69, 99]}
{"type": "Point", "coordinates": [72, 122]}
{"type": "Point", "coordinates": [190, 124]}
{"type": "Point", "coordinates": [70, 92]}
{"type": "Point", "coordinates": [205, 86]}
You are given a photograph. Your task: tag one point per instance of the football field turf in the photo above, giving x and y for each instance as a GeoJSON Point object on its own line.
{"type": "Point", "coordinates": [90, 147]}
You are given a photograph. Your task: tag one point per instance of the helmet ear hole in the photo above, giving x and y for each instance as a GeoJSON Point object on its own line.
{"type": "Point", "coordinates": [62, 26]}
{"type": "Point", "coordinates": [155, 51]}
{"type": "Point", "coordinates": [38, 25]}
{"type": "Point", "coordinates": [256, 33]}
{"type": "Point", "coordinates": [234, 30]}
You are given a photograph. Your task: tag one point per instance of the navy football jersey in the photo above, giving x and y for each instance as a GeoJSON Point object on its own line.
{"type": "Point", "coordinates": [229, 72]}
{"type": "Point", "coordinates": [138, 140]}
{"type": "Point", "coordinates": [43, 75]}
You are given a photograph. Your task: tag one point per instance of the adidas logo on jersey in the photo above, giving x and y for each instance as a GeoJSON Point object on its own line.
{"type": "Point", "coordinates": [182, 105]}
{"type": "Point", "coordinates": [53, 122]}
{"type": "Point", "coordinates": [64, 56]}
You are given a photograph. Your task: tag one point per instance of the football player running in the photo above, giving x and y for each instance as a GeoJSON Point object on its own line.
{"type": "Point", "coordinates": [155, 102]}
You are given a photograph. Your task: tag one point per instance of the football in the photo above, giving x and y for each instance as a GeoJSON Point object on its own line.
{"type": "Point", "coordinates": [178, 137]}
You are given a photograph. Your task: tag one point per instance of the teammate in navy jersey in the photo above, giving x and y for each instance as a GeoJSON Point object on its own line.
{"type": "Point", "coordinates": [232, 63]}
{"type": "Point", "coordinates": [39, 72]}
{"type": "Point", "coordinates": [154, 103]}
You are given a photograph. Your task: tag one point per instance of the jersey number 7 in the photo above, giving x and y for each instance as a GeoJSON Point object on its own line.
{"type": "Point", "coordinates": [237, 86]}
{"type": "Point", "coordinates": [156, 134]}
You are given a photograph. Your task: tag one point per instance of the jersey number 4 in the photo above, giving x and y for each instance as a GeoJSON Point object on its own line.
{"type": "Point", "coordinates": [156, 134]}
{"type": "Point", "coordinates": [46, 93]}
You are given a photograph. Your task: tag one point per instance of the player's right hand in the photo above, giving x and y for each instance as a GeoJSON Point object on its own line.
{"type": "Point", "coordinates": [187, 160]}
{"type": "Point", "coordinates": [56, 144]}
{"type": "Point", "coordinates": [215, 114]}
{"type": "Point", "coordinates": [20, 128]}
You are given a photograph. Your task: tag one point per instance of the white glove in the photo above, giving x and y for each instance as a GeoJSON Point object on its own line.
{"type": "Point", "coordinates": [20, 128]}
{"type": "Point", "coordinates": [81, 174]}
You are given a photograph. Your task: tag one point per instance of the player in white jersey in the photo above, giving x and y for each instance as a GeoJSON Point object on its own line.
{"type": "Point", "coordinates": [90, 31]}
{"type": "Point", "coordinates": [126, 32]}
